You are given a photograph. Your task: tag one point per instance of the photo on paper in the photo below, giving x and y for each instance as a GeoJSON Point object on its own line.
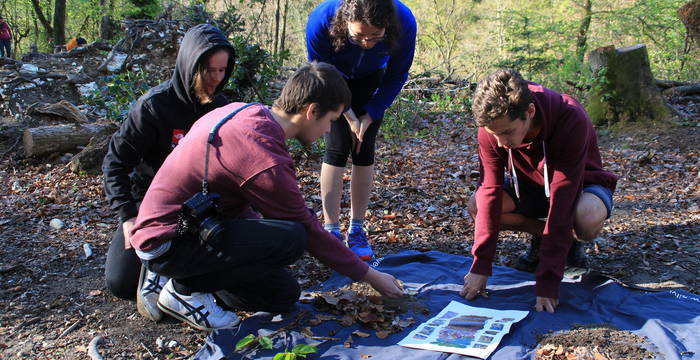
{"type": "Point", "coordinates": [437, 322]}
{"type": "Point", "coordinates": [464, 330]}
{"type": "Point", "coordinates": [497, 326]}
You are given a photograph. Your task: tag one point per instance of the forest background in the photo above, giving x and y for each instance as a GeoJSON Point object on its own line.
{"type": "Point", "coordinates": [457, 39]}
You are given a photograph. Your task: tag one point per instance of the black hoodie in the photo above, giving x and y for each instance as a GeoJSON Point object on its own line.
{"type": "Point", "coordinates": [157, 122]}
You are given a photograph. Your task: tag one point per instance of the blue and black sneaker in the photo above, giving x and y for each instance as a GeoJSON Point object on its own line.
{"type": "Point", "coordinates": [337, 235]}
{"type": "Point", "coordinates": [357, 242]}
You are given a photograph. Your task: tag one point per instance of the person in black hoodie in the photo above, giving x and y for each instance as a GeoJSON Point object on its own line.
{"type": "Point", "coordinates": [154, 126]}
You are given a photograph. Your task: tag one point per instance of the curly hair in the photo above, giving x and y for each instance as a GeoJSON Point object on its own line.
{"type": "Point", "coordinates": [376, 13]}
{"type": "Point", "coordinates": [503, 93]}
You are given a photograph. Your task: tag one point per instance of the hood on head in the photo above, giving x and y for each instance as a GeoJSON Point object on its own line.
{"type": "Point", "coordinates": [198, 40]}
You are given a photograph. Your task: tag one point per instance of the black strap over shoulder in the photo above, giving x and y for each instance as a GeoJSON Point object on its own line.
{"type": "Point", "coordinates": [210, 140]}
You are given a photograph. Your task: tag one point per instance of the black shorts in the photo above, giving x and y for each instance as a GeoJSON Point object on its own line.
{"type": "Point", "coordinates": [534, 203]}
{"type": "Point", "coordinates": [339, 141]}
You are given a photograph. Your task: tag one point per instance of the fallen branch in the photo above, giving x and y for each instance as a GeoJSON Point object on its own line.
{"type": "Point", "coordinates": [147, 350]}
{"type": "Point", "coordinates": [84, 49]}
{"type": "Point", "coordinates": [69, 329]}
{"type": "Point", "coordinates": [692, 89]}
{"type": "Point", "coordinates": [92, 348]}
{"type": "Point", "coordinates": [665, 84]}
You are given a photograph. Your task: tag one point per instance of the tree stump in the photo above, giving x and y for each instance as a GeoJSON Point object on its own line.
{"type": "Point", "coordinates": [624, 90]}
{"type": "Point", "coordinates": [89, 160]}
{"type": "Point", "coordinates": [690, 16]}
{"type": "Point", "coordinates": [59, 138]}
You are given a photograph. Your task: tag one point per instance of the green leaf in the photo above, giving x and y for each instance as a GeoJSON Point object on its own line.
{"type": "Point", "coordinates": [245, 342]}
{"type": "Point", "coordinates": [265, 342]}
{"type": "Point", "coordinates": [304, 349]}
{"type": "Point", "coordinates": [285, 356]}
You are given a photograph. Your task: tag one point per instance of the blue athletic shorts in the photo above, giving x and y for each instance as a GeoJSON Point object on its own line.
{"type": "Point", "coordinates": [533, 202]}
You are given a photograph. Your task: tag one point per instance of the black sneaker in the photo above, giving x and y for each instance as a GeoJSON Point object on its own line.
{"type": "Point", "coordinates": [528, 261]}
{"type": "Point", "coordinates": [577, 256]}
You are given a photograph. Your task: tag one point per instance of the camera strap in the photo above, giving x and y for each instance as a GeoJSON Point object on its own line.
{"type": "Point", "coordinates": [210, 141]}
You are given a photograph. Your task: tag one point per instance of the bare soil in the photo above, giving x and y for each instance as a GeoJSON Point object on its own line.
{"type": "Point", "coordinates": [54, 299]}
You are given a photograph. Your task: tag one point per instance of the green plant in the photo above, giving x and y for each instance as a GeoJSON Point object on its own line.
{"type": "Point", "coordinates": [118, 93]}
{"type": "Point", "coordinates": [299, 351]}
{"type": "Point", "coordinates": [255, 68]}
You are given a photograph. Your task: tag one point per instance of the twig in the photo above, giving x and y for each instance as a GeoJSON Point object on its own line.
{"type": "Point", "coordinates": [69, 329]}
{"type": "Point", "coordinates": [147, 350]}
{"type": "Point", "coordinates": [92, 348]}
{"type": "Point", "coordinates": [322, 338]}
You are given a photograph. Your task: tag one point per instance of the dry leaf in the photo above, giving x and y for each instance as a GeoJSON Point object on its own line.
{"type": "Point", "coordinates": [360, 333]}
{"type": "Point", "coordinates": [382, 334]}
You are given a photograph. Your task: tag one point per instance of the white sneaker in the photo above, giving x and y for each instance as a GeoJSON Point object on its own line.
{"type": "Point", "coordinates": [198, 310]}
{"type": "Point", "coordinates": [150, 285]}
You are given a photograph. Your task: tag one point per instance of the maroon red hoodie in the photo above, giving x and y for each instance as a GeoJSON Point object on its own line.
{"type": "Point", "coordinates": [573, 160]}
{"type": "Point", "coordinates": [249, 165]}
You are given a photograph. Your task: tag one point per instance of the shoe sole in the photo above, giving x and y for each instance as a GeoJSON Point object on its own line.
{"type": "Point", "coordinates": [146, 311]}
{"type": "Point", "coordinates": [178, 316]}
{"type": "Point", "coordinates": [189, 322]}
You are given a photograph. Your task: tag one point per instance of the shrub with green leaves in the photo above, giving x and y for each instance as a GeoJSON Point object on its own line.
{"type": "Point", "coordinates": [251, 341]}
{"type": "Point", "coordinates": [118, 93]}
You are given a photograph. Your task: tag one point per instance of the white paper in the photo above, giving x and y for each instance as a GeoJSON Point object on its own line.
{"type": "Point", "coordinates": [463, 329]}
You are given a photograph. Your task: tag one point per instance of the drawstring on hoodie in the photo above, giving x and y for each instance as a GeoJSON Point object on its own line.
{"type": "Point", "coordinates": [514, 174]}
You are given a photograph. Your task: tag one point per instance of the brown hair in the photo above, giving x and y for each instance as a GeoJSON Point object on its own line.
{"type": "Point", "coordinates": [377, 13]}
{"type": "Point", "coordinates": [201, 71]}
{"type": "Point", "coordinates": [503, 93]}
{"type": "Point", "coordinates": [318, 83]}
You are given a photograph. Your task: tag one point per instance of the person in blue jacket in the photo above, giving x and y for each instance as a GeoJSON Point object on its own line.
{"type": "Point", "coordinates": [371, 43]}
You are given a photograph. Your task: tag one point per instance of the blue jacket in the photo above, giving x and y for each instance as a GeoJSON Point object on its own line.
{"type": "Point", "coordinates": [355, 62]}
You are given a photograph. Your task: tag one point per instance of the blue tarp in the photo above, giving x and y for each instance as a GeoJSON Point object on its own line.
{"type": "Point", "coordinates": [670, 320]}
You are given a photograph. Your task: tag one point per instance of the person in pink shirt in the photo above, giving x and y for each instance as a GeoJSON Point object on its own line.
{"type": "Point", "coordinates": [225, 257]}
{"type": "Point", "coordinates": [556, 188]}
{"type": "Point", "coordinates": [5, 38]}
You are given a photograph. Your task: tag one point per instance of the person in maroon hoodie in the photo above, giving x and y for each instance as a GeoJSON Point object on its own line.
{"type": "Point", "coordinates": [244, 267]}
{"type": "Point", "coordinates": [556, 186]}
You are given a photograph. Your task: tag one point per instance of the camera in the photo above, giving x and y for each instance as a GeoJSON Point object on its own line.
{"type": "Point", "coordinates": [200, 217]}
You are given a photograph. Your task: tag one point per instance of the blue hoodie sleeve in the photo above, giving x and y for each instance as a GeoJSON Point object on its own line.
{"type": "Point", "coordinates": [397, 67]}
{"type": "Point", "coordinates": [318, 44]}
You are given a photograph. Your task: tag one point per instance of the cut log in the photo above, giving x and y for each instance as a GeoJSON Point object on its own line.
{"type": "Point", "coordinates": [625, 91]}
{"type": "Point", "coordinates": [61, 138]}
{"type": "Point", "coordinates": [690, 16]}
{"type": "Point", "coordinates": [62, 109]}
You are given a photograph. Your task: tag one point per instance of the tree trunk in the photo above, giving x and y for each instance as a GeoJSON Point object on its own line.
{"type": "Point", "coordinates": [106, 22]}
{"type": "Point", "coordinates": [42, 19]}
{"type": "Point", "coordinates": [277, 28]}
{"type": "Point", "coordinates": [59, 138]}
{"type": "Point", "coordinates": [59, 22]}
{"type": "Point", "coordinates": [284, 27]}
{"type": "Point", "coordinates": [625, 91]}
{"type": "Point", "coordinates": [582, 36]}
{"type": "Point", "coordinates": [690, 16]}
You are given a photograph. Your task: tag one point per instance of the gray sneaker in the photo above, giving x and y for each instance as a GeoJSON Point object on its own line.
{"type": "Point", "coordinates": [150, 286]}
{"type": "Point", "coordinates": [198, 310]}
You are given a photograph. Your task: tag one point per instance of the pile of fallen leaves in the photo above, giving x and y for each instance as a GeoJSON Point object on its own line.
{"type": "Point", "coordinates": [601, 343]}
{"type": "Point", "coordinates": [359, 303]}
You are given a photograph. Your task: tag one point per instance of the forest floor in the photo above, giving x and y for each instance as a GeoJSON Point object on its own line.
{"type": "Point", "coordinates": [55, 302]}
